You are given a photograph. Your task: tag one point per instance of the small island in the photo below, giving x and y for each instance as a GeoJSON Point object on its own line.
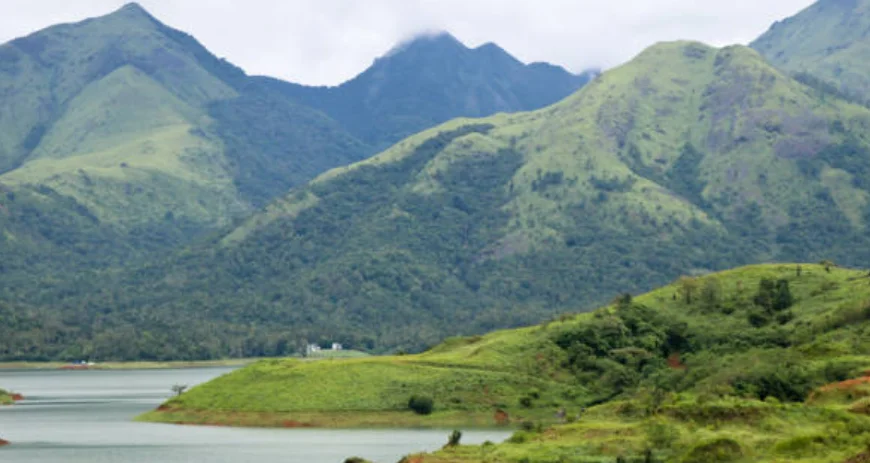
{"type": "Point", "coordinates": [9, 398]}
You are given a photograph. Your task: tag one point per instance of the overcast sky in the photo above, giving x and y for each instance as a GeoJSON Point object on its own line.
{"type": "Point", "coordinates": [325, 42]}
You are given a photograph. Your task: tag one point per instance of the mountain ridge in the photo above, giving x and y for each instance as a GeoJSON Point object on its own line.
{"type": "Point", "coordinates": [152, 138]}
{"type": "Point", "coordinates": [686, 160]}
{"type": "Point", "coordinates": [828, 40]}
{"type": "Point", "coordinates": [477, 82]}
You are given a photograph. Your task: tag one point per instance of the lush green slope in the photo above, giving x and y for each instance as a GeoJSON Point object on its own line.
{"type": "Point", "coordinates": [828, 40]}
{"type": "Point", "coordinates": [141, 140]}
{"type": "Point", "coordinates": [430, 80]}
{"type": "Point", "coordinates": [123, 140]}
{"type": "Point", "coordinates": [748, 363]}
{"type": "Point", "coordinates": [685, 160]}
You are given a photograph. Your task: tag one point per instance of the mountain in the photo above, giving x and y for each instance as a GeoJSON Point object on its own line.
{"type": "Point", "coordinates": [685, 160]}
{"type": "Point", "coordinates": [830, 41]}
{"type": "Point", "coordinates": [756, 364]}
{"type": "Point", "coordinates": [429, 80]}
{"type": "Point", "coordinates": [120, 136]}
{"type": "Point", "coordinates": [122, 139]}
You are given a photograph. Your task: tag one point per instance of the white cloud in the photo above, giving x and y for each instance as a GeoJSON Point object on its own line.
{"type": "Point", "coordinates": [328, 41]}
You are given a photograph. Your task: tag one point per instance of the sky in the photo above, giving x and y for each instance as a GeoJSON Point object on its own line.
{"type": "Point", "coordinates": [325, 42]}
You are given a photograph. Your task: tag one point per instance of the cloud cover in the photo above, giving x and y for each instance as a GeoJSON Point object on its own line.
{"type": "Point", "coordinates": [325, 42]}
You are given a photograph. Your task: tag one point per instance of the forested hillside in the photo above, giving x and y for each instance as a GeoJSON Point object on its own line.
{"type": "Point", "coordinates": [685, 160]}
{"type": "Point", "coordinates": [828, 42]}
{"type": "Point", "coordinates": [123, 140]}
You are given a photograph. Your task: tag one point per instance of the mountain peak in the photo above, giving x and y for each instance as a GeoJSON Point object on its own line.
{"type": "Point", "coordinates": [133, 11]}
{"type": "Point", "coordinates": [438, 40]}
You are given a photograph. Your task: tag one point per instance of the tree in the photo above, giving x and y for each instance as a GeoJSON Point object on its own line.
{"type": "Point", "coordinates": [774, 296]}
{"type": "Point", "coordinates": [783, 298]}
{"type": "Point", "coordinates": [454, 438]}
{"type": "Point", "coordinates": [711, 293]}
{"type": "Point", "coordinates": [688, 287]}
{"type": "Point", "coordinates": [421, 405]}
{"type": "Point", "coordinates": [179, 389]}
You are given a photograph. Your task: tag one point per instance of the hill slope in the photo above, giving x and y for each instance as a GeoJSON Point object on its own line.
{"type": "Point", "coordinates": [741, 358]}
{"type": "Point", "coordinates": [687, 159]}
{"type": "Point", "coordinates": [430, 80]}
{"type": "Point", "coordinates": [132, 131]}
{"type": "Point", "coordinates": [828, 40]}
{"type": "Point", "coordinates": [138, 140]}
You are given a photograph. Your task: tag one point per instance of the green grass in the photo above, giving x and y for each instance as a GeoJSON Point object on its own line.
{"type": "Point", "coordinates": [5, 397]}
{"type": "Point", "coordinates": [341, 354]}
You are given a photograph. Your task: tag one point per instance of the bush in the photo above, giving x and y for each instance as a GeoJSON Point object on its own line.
{"type": "Point", "coordinates": [787, 383]}
{"type": "Point", "coordinates": [717, 450]}
{"type": "Point", "coordinates": [421, 405]}
{"type": "Point", "coordinates": [454, 438]}
{"type": "Point", "coordinates": [758, 318]}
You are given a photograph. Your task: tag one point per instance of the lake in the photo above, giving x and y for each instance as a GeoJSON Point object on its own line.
{"type": "Point", "coordinates": [86, 416]}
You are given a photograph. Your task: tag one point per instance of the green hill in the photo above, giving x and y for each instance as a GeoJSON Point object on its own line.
{"type": "Point", "coordinates": [827, 41]}
{"type": "Point", "coordinates": [752, 364]}
{"type": "Point", "coordinates": [124, 140]}
{"type": "Point", "coordinates": [141, 140]}
{"type": "Point", "coordinates": [685, 160]}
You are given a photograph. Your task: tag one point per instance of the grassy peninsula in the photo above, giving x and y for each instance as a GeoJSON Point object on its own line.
{"type": "Point", "coordinates": [6, 397]}
{"type": "Point", "coordinates": [761, 363]}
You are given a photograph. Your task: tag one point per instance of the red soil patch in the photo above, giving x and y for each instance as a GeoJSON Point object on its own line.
{"type": "Point", "coordinates": [3, 442]}
{"type": "Point", "coordinates": [501, 417]}
{"type": "Point", "coordinates": [675, 363]}
{"type": "Point", "coordinates": [863, 457]}
{"type": "Point", "coordinates": [846, 385]}
{"type": "Point", "coordinates": [75, 367]}
{"type": "Point", "coordinates": [17, 397]}
{"type": "Point", "coordinates": [294, 424]}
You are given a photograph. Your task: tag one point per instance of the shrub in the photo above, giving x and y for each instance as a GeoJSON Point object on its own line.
{"type": "Point", "coordinates": [661, 435]}
{"type": "Point", "coordinates": [421, 405]}
{"type": "Point", "coordinates": [454, 438]}
{"type": "Point", "coordinates": [787, 383]}
{"type": "Point", "coordinates": [717, 450]}
{"type": "Point", "coordinates": [758, 318]}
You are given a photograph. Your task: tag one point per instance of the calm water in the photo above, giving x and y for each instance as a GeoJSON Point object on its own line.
{"type": "Point", "coordinates": [85, 416]}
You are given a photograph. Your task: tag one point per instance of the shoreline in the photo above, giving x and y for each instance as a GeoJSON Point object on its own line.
{"type": "Point", "coordinates": [126, 365]}
{"type": "Point", "coordinates": [448, 419]}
